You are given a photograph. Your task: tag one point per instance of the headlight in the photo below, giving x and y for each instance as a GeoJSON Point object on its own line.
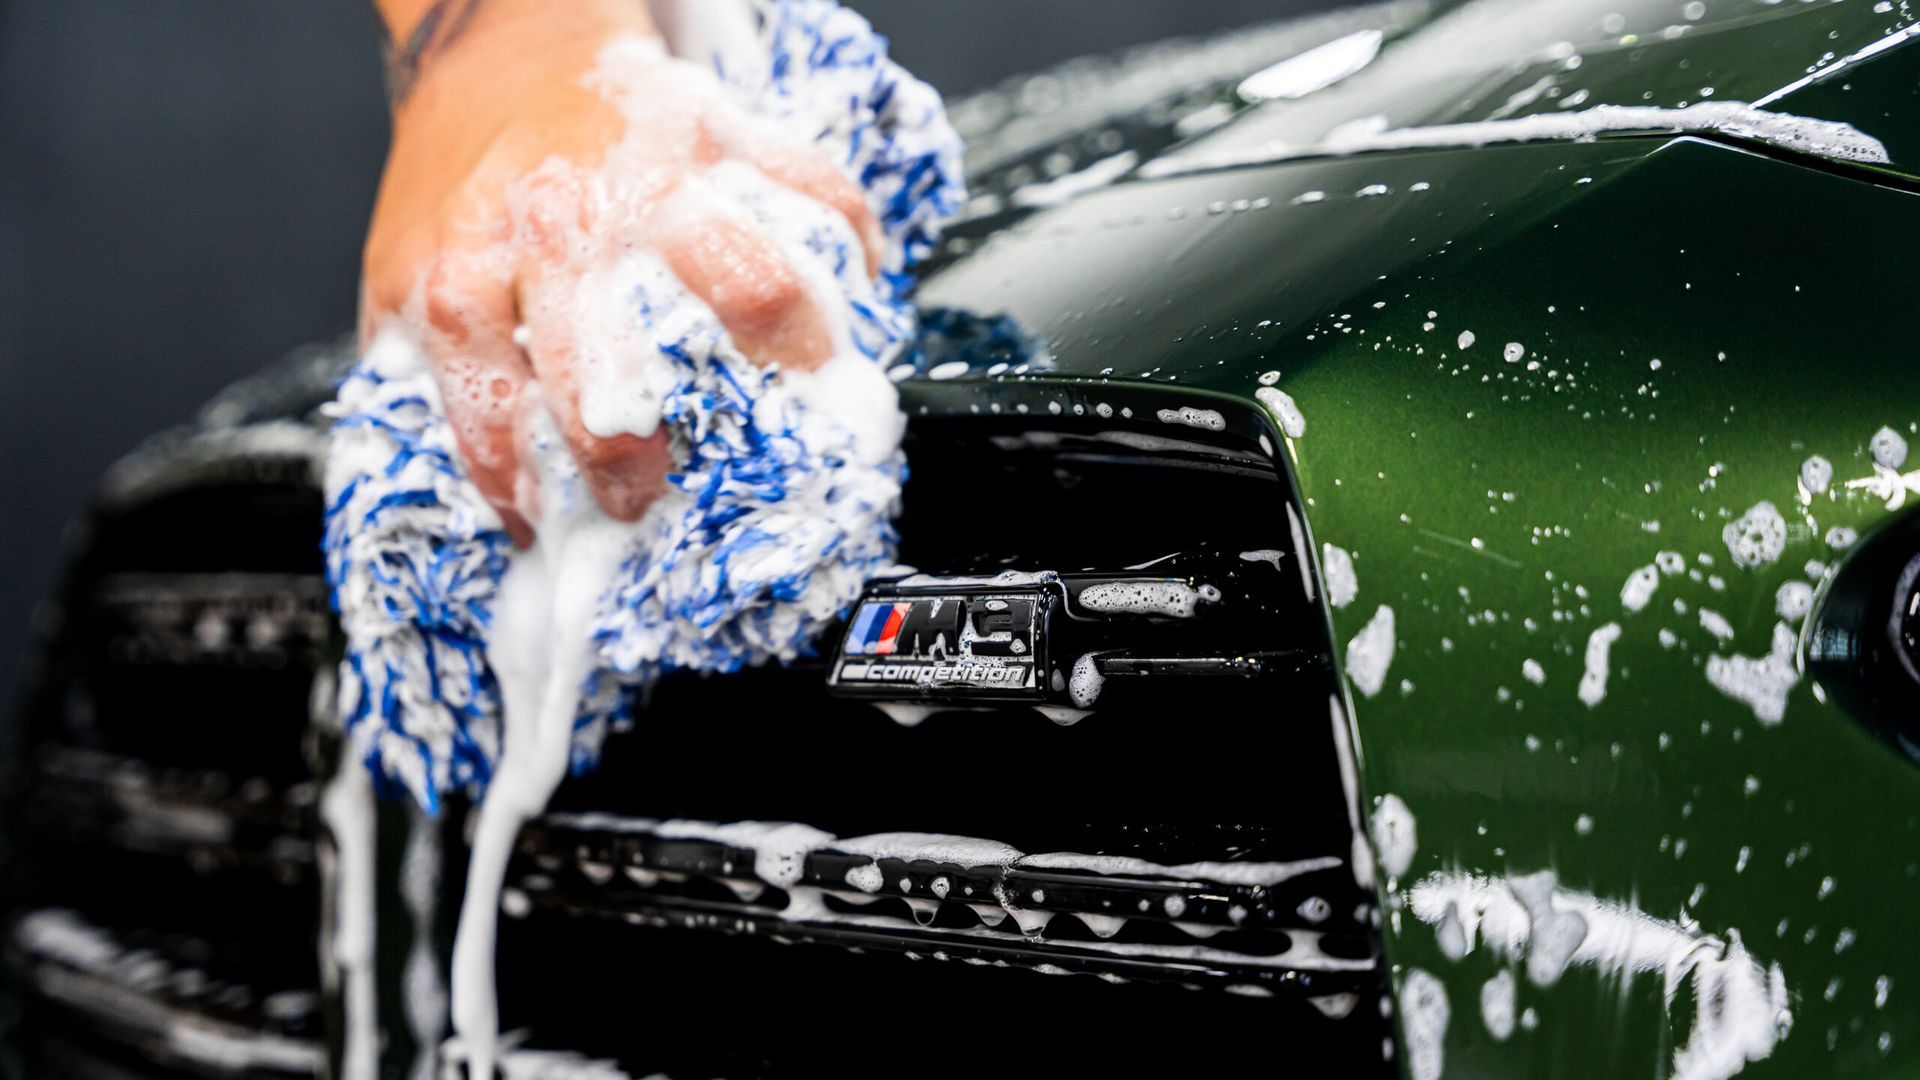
{"type": "Point", "coordinates": [1863, 642]}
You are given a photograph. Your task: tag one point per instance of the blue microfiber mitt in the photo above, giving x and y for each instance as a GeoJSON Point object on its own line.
{"type": "Point", "coordinates": [778, 511]}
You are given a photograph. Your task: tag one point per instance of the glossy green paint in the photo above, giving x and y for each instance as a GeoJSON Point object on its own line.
{"type": "Point", "coordinates": [1694, 320]}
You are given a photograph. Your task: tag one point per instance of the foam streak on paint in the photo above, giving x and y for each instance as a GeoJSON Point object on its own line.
{"type": "Point", "coordinates": [1762, 683]}
{"type": "Point", "coordinates": [1370, 652]}
{"type": "Point", "coordinates": [1822, 138]}
{"type": "Point", "coordinates": [1285, 410]}
{"type": "Point", "coordinates": [1639, 587]}
{"type": "Point", "coordinates": [1496, 1005]}
{"type": "Point", "coordinates": [1395, 836]}
{"type": "Point", "coordinates": [1741, 1009]}
{"type": "Point", "coordinates": [1297, 529]}
{"type": "Point", "coordinates": [1336, 565]}
{"type": "Point", "coordinates": [1064, 189]}
{"type": "Point", "coordinates": [1593, 681]}
{"type": "Point", "coordinates": [1424, 1016]}
{"type": "Point", "coordinates": [1313, 70]}
{"type": "Point", "coordinates": [1361, 852]}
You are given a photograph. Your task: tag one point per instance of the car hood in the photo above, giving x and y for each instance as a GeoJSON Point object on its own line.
{"type": "Point", "coordinates": [1200, 273]}
{"type": "Point", "coordinates": [1504, 61]}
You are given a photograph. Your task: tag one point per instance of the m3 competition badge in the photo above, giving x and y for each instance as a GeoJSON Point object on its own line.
{"type": "Point", "coordinates": [956, 644]}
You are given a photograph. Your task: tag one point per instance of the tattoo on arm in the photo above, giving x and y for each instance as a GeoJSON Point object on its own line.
{"type": "Point", "coordinates": [440, 27]}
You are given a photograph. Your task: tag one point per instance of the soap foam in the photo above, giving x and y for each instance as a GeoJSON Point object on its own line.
{"type": "Point", "coordinates": [1741, 1009]}
{"type": "Point", "coordinates": [1395, 835]}
{"type": "Point", "coordinates": [1757, 537]}
{"type": "Point", "coordinates": [1829, 139]}
{"type": "Point", "coordinates": [1336, 564]}
{"type": "Point", "coordinates": [1173, 599]}
{"type": "Point", "coordinates": [1370, 652]}
{"type": "Point", "coordinates": [1763, 683]}
{"type": "Point", "coordinates": [1424, 1016]}
{"type": "Point", "coordinates": [1593, 681]}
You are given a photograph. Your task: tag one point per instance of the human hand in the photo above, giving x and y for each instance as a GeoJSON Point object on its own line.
{"type": "Point", "coordinates": [538, 145]}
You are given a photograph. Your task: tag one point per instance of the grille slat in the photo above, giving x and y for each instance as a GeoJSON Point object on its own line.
{"type": "Point", "coordinates": [1300, 926]}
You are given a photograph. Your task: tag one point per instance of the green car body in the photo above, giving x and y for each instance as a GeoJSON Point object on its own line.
{"type": "Point", "coordinates": [1664, 328]}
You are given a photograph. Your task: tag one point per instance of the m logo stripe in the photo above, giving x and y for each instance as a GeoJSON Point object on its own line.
{"type": "Point", "coordinates": [866, 627]}
{"type": "Point", "coordinates": [890, 632]}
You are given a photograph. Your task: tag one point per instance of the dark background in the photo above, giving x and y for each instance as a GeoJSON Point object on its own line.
{"type": "Point", "coordinates": [184, 185]}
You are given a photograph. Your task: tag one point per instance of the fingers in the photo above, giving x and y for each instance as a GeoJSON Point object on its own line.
{"type": "Point", "coordinates": [751, 289]}
{"type": "Point", "coordinates": [807, 172]}
{"type": "Point", "coordinates": [625, 472]}
{"type": "Point", "coordinates": [495, 385]}
{"type": "Point", "coordinates": [483, 376]}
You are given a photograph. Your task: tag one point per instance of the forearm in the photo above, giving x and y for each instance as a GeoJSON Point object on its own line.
{"type": "Point", "coordinates": [421, 32]}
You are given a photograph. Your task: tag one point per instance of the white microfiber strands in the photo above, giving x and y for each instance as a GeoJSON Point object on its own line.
{"type": "Point", "coordinates": [414, 557]}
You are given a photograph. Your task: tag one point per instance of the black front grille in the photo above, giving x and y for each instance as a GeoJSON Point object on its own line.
{"type": "Point", "coordinates": [168, 865]}
{"type": "Point", "coordinates": [1182, 850]}
{"type": "Point", "coordinates": [1232, 768]}
{"type": "Point", "coordinates": [165, 998]}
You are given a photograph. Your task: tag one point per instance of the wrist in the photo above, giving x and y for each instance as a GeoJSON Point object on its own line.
{"type": "Point", "coordinates": [454, 40]}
